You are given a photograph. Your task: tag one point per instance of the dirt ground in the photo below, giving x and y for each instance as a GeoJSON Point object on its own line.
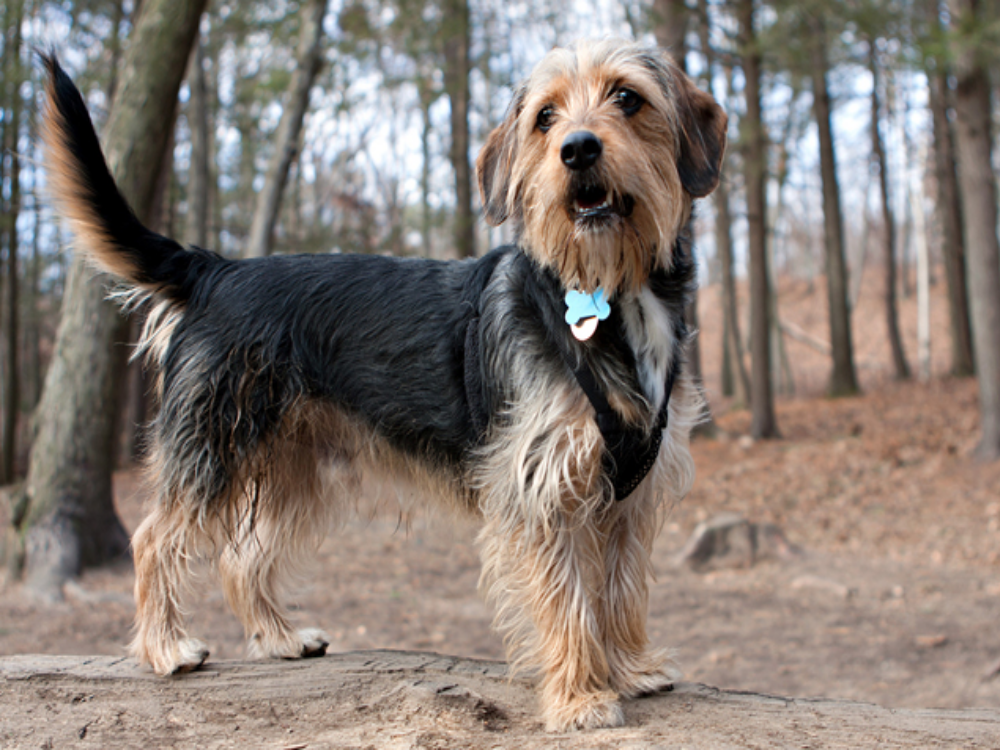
{"type": "Point", "coordinates": [894, 599]}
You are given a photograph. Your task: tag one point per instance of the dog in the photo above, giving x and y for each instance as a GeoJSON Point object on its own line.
{"type": "Point", "coordinates": [541, 387]}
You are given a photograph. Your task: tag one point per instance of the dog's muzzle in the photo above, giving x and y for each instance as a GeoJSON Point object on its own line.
{"type": "Point", "coordinates": [590, 201]}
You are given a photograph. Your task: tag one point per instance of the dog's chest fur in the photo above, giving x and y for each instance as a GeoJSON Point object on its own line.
{"type": "Point", "coordinates": [651, 336]}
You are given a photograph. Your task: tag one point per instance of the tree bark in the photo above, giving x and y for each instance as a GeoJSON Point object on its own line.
{"type": "Point", "coordinates": [457, 66]}
{"type": "Point", "coordinates": [670, 28]}
{"type": "Point", "coordinates": [763, 423]}
{"type": "Point", "coordinates": [426, 100]}
{"type": "Point", "coordinates": [916, 196]}
{"type": "Point", "coordinates": [732, 341]}
{"type": "Point", "coordinates": [979, 211]}
{"type": "Point", "coordinates": [735, 380]}
{"type": "Point", "coordinates": [949, 208]}
{"type": "Point", "coordinates": [196, 228]}
{"type": "Point", "coordinates": [670, 19]}
{"type": "Point", "coordinates": [33, 275]}
{"type": "Point", "coordinates": [115, 47]}
{"type": "Point", "coordinates": [309, 59]}
{"type": "Point", "coordinates": [900, 366]}
{"type": "Point", "coordinates": [69, 520]}
{"type": "Point", "coordinates": [843, 377]}
{"type": "Point", "coordinates": [13, 74]}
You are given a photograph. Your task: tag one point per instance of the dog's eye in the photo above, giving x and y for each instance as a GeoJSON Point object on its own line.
{"type": "Point", "coordinates": [544, 120]}
{"type": "Point", "coordinates": [629, 101]}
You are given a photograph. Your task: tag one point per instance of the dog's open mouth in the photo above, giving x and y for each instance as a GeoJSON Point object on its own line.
{"type": "Point", "coordinates": [593, 205]}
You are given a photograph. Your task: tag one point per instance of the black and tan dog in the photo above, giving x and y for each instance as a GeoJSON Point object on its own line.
{"type": "Point", "coordinates": [541, 387]}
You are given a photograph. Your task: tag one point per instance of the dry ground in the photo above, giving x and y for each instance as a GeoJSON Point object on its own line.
{"type": "Point", "coordinates": [895, 599]}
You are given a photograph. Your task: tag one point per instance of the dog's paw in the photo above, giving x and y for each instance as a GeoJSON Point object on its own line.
{"type": "Point", "coordinates": [301, 644]}
{"type": "Point", "coordinates": [593, 711]}
{"type": "Point", "coordinates": [184, 655]}
{"type": "Point", "coordinates": [191, 654]}
{"type": "Point", "coordinates": [654, 673]}
{"type": "Point", "coordinates": [646, 684]}
{"type": "Point", "coordinates": [314, 642]}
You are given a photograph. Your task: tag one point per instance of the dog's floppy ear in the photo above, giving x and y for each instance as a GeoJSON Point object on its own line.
{"type": "Point", "coordinates": [702, 139]}
{"type": "Point", "coordinates": [495, 164]}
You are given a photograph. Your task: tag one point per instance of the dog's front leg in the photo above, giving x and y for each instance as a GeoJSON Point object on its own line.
{"type": "Point", "coordinates": [634, 668]}
{"type": "Point", "coordinates": [546, 583]}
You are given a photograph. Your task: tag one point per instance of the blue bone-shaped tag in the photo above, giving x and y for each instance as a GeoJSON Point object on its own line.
{"type": "Point", "coordinates": [582, 305]}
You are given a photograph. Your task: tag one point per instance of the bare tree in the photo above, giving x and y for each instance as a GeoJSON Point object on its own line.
{"type": "Point", "coordinates": [843, 378]}
{"type": "Point", "coordinates": [457, 65]}
{"type": "Point", "coordinates": [196, 229]}
{"type": "Point", "coordinates": [763, 423]}
{"type": "Point", "coordinates": [671, 23]}
{"type": "Point", "coordinates": [948, 206]}
{"type": "Point", "coordinates": [732, 344]}
{"type": "Point", "coordinates": [11, 208]}
{"type": "Point", "coordinates": [900, 365]}
{"type": "Point", "coordinates": [309, 60]}
{"type": "Point", "coordinates": [67, 519]}
{"type": "Point", "coordinates": [979, 211]}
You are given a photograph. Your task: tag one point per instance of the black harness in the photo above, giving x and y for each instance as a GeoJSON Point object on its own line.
{"type": "Point", "coordinates": [630, 452]}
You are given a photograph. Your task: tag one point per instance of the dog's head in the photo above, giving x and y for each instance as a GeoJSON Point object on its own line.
{"type": "Point", "coordinates": [598, 159]}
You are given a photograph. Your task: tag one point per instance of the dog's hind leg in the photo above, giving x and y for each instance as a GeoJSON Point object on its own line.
{"type": "Point", "coordinates": [164, 547]}
{"type": "Point", "coordinates": [273, 544]}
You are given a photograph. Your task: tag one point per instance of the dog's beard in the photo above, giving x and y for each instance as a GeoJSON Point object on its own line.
{"type": "Point", "coordinates": [598, 246]}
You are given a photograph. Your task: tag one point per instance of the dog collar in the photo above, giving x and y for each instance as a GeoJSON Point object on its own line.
{"type": "Point", "coordinates": [583, 311]}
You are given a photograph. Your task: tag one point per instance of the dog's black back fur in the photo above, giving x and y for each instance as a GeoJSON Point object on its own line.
{"type": "Point", "coordinates": [381, 338]}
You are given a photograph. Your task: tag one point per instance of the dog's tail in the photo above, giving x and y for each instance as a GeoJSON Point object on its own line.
{"type": "Point", "coordinates": [106, 229]}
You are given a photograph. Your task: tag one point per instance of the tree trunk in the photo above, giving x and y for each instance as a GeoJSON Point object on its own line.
{"type": "Point", "coordinates": [735, 380]}
{"type": "Point", "coordinates": [456, 82]}
{"type": "Point", "coordinates": [732, 341]}
{"type": "Point", "coordinates": [115, 47]}
{"type": "Point", "coordinates": [916, 196]}
{"type": "Point", "coordinates": [843, 377]}
{"type": "Point", "coordinates": [69, 520]}
{"type": "Point", "coordinates": [949, 210]}
{"type": "Point", "coordinates": [670, 19]}
{"type": "Point", "coordinates": [763, 423]}
{"type": "Point", "coordinates": [900, 366]}
{"type": "Point", "coordinates": [309, 59]}
{"type": "Point", "coordinates": [979, 210]}
{"type": "Point", "coordinates": [33, 324]}
{"type": "Point", "coordinates": [196, 229]}
{"type": "Point", "coordinates": [670, 27]}
{"type": "Point", "coordinates": [214, 116]}
{"type": "Point", "coordinates": [13, 74]}
{"type": "Point", "coordinates": [426, 100]}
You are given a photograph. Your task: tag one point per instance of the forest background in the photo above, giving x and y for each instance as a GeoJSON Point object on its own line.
{"type": "Point", "coordinates": [863, 145]}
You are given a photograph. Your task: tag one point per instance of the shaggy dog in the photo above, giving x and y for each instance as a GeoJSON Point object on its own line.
{"type": "Point", "coordinates": [541, 387]}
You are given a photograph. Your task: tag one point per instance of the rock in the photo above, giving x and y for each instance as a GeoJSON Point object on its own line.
{"type": "Point", "coordinates": [992, 671]}
{"type": "Point", "coordinates": [730, 541]}
{"type": "Point", "coordinates": [931, 641]}
{"type": "Point", "coordinates": [819, 583]}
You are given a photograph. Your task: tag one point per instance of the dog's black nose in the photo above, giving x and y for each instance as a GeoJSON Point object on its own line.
{"type": "Point", "coordinates": [581, 149]}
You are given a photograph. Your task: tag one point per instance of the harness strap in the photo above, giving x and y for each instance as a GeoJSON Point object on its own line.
{"type": "Point", "coordinates": [629, 453]}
